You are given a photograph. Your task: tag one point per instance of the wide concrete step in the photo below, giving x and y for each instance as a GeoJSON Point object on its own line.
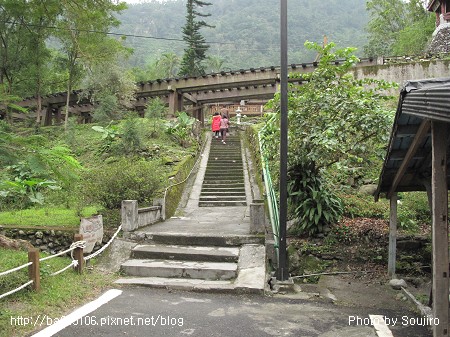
{"type": "Point", "coordinates": [223, 185]}
{"type": "Point", "coordinates": [200, 240]}
{"type": "Point", "coordinates": [219, 181]}
{"type": "Point", "coordinates": [178, 268]}
{"type": "Point", "coordinates": [221, 203]}
{"type": "Point", "coordinates": [187, 253]}
{"type": "Point", "coordinates": [224, 176]}
{"type": "Point", "coordinates": [225, 188]}
{"type": "Point", "coordinates": [224, 169]}
{"type": "Point", "coordinates": [233, 165]}
{"type": "Point", "coordinates": [222, 198]}
{"type": "Point", "coordinates": [222, 193]}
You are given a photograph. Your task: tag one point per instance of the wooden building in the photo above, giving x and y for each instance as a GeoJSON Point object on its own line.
{"type": "Point", "coordinates": [417, 160]}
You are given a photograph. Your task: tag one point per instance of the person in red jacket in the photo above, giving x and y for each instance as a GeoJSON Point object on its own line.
{"type": "Point", "coordinates": [215, 124]}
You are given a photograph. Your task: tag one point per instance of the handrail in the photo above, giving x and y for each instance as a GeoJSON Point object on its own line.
{"type": "Point", "coordinates": [271, 197]}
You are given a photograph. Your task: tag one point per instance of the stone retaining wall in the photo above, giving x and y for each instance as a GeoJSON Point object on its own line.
{"type": "Point", "coordinates": [48, 240]}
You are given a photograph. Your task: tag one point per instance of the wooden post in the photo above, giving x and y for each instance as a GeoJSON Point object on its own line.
{"type": "Point", "coordinates": [392, 235]}
{"type": "Point", "coordinates": [78, 254]}
{"type": "Point", "coordinates": [440, 228]}
{"type": "Point", "coordinates": [33, 269]}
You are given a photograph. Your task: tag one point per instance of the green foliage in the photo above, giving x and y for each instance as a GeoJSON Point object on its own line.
{"type": "Point", "coordinates": [132, 136]}
{"type": "Point", "coordinates": [398, 27]}
{"type": "Point", "coordinates": [107, 109]}
{"type": "Point", "coordinates": [336, 122]}
{"type": "Point", "coordinates": [342, 233]}
{"type": "Point", "coordinates": [413, 210]}
{"type": "Point", "coordinates": [49, 216]}
{"type": "Point", "coordinates": [61, 291]}
{"type": "Point", "coordinates": [110, 134]}
{"type": "Point", "coordinates": [154, 111]}
{"type": "Point", "coordinates": [315, 205]}
{"type": "Point", "coordinates": [195, 52]}
{"type": "Point", "coordinates": [33, 168]}
{"type": "Point", "coordinates": [247, 31]}
{"type": "Point", "coordinates": [181, 128]}
{"type": "Point", "coordinates": [363, 206]}
{"type": "Point", "coordinates": [125, 179]}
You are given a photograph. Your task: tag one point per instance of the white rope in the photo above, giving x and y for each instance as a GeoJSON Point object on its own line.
{"type": "Point", "coordinates": [74, 263]}
{"type": "Point", "coordinates": [15, 269]}
{"type": "Point", "coordinates": [73, 246]}
{"type": "Point", "coordinates": [105, 246]}
{"type": "Point", "coordinates": [17, 289]}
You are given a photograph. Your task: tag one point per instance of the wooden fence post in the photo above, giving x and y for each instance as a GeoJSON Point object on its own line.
{"type": "Point", "coordinates": [33, 269]}
{"type": "Point", "coordinates": [78, 254]}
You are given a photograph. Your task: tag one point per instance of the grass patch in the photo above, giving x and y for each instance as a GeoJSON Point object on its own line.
{"type": "Point", "coordinates": [58, 295]}
{"type": "Point", "coordinates": [48, 217]}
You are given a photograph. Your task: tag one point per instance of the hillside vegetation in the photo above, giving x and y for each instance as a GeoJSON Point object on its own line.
{"type": "Point", "coordinates": [246, 33]}
{"type": "Point", "coordinates": [128, 159]}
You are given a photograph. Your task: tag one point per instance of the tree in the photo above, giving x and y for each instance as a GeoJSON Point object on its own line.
{"type": "Point", "coordinates": [336, 123]}
{"type": "Point", "coordinates": [215, 63]}
{"type": "Point", "coordinates": [168, 63]}
{"type": "Point", "coordinates": [398, 27]}
{"type": "Point", "coordinates": [195, 52]}
{"type": "Point", "coordinates": [82, 31]}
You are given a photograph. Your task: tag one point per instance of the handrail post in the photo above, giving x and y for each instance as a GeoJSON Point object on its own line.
{"type": "Point", "coordinates": [78, 254]}
{"type": "Point", "coordinates": [33, 269]}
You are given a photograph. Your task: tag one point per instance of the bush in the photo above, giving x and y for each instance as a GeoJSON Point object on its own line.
{"type": "Point", "coordinates": [363, 206]}
{"type": "Point", "coordinates": [413, 210]}
{"type": "Point", "coordinates": [316, 205]}
{"type": "Point", "coordinates": [125, 179]}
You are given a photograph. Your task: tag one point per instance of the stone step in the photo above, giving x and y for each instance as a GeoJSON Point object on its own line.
{"type": "Point", "coordinates": [218, 181]}
{"type": "Point", "coordinates": [221, 203]}
{"type": "Point", "coordinates": [179, 268]}
{"type": "Point", "coordinates": [223, 175]}
{"type": "Point", "coordinates": [218, 157]}
{"type": "Point", "coordinates": [222, 193]}
{"type": "Point", "coordinates": [224, 170]}
{"type": "Point", "coordinates": [187, 253]}
{"type": "Point", "coordinates": [226, 184]}
{"type": "Point", "coordinates": [198, 240]}
{"type": "Point", "coordinates": [222, 198]}
{"type": "Point", "coordinates": [227, 187]}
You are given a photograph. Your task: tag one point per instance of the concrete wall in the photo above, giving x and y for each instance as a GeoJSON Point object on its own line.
{"type": "Point", "coordinates": [401, 72]}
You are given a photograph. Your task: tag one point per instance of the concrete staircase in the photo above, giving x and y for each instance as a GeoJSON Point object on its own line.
{"type": "Point", "coordinates": [209, 248]}
{"type": "Point", "coordinates": [220, 265]}
{"type": "Point", "coordinates": [223, 184]}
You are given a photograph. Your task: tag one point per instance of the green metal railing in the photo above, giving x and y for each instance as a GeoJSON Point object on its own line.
{"type": "Point", "coordinates": [272, 200]}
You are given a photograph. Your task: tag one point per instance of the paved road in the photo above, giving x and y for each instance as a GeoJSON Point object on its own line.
{"type": "Point", "coordinates": [159, 312]}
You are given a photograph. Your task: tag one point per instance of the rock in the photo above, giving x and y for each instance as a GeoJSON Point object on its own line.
{"type": "Point", "coordinates": [39, 235]}
{"type": "Point", "coordinates": [369, 189]}
{"type": "Point", "coordinates": [411, 245]}
{"type": "Point", "coordinates": [398, 284]}
{"type": "Point", "coordinates": [14, 243]}
{"type": "Point", "coordinates": [38, 242]}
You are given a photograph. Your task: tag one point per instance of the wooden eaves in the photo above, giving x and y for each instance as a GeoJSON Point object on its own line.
{"type": "Point", "coordinates": [417, 160]}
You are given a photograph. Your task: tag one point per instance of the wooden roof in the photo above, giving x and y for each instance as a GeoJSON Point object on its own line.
{"type": "Point", "coordinates": [408, 161]}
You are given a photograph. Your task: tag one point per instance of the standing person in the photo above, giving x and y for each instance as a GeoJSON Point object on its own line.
{"type": "Point", "coordinates": [215, 124]}
{"type": "Point", "coordinates": [224, 125]}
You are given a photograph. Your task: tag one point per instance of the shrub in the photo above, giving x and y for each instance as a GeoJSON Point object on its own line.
{"type": "Point", "coordinates": [124, 179]}
{"type": "Point", "coordinates": [413, 210]}
{"type": "Point", "coordinates": [363, 206]}
{"type": "Point", "coordinates": [316, 205]}
{"type": "Point", "coordinates": [132, 136]}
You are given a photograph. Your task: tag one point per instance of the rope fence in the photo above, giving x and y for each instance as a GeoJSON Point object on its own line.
{"type": "Point", "coordinates": [77, 263]}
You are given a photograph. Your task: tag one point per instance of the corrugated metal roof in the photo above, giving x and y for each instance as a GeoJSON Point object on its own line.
{"type": "Point", "coordinates": [408, 159]}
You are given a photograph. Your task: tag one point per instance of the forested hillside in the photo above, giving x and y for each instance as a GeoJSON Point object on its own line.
{"type": "Point", "coordinates": [246, 32]}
